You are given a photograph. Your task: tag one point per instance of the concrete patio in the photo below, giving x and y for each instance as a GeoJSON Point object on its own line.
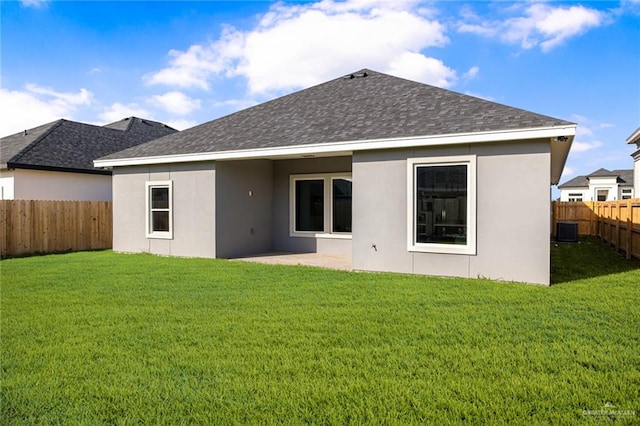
{"type": "Point", "coordinates": [340, 262]}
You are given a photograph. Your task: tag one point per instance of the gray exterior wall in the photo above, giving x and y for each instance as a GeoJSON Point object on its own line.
{"type": "Point", "coordinates": [512, 214]}
{"type": "Point", "coordinates": [194, 207]}
{"type": "Point", "coordinates": [282, 241]}
{"type": "Point", "coordinates": [244, 195]}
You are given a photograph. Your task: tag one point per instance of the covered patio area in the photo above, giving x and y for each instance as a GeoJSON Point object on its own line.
{"type": "Point", "coordinates": [329, 261]}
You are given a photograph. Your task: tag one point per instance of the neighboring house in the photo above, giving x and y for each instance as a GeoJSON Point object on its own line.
{"type": "Point", "coordinates": [601, 185]}
{"type": "Point", "coordinates": [635, 138]}
{"type": "Point", "coordinates": [55, 161]}
{"type": "Point", "coordinates": [401, 176]}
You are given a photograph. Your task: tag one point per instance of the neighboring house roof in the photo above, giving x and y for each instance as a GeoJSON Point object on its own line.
{"type": "Point", "coordinates": [601, 172]}
{"type": "Point", "coordinates": [576, 182]}
{"type": "Point", "coordinates": [65, 145]}
{"type": "Point", "coordinates": [365, 106]}
{"type": "Point", "coordinates": [624, 178]}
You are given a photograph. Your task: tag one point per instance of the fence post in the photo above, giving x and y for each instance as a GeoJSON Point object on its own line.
{"type": "Point", "coordinates": [616, 206]}
{"type": "Point", "coordinates": [3, 229]}
{"type": "Point", "coordinates": [554, 217]}
{"type": "Point", "coordinates": [629, 229]}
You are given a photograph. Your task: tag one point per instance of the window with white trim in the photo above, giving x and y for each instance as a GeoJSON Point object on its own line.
{"type": "Point", "coordinates": [575, 196]}
{"type": "Point", "coordinates": [627, 194]}
{"type": "Point", "coordinates": [442, 205]}
{"type": "Point", "coordinates": [321, 205]}
{"type": "Point", "coordinates": [159, 207]}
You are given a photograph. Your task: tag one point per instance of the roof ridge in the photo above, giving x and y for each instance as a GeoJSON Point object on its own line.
{"type": "Point", "coordinates": [37, 140]}
{"type": "Point", "coordinates": [130, 124]}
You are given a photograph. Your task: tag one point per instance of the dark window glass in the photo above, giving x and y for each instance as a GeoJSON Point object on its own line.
{"type": "Point", "coordinates": [341, 190]}
{"type": "Point", "coordinates": [160, 221]}
{"type": "Point", "coordinates": [310, 205]}
{"type": "Point", "coordinates": [159, 209]}
{"type": "Point", "coordinates": [159, 198]}
{"type": "Point", "coordinates": [441, 204]}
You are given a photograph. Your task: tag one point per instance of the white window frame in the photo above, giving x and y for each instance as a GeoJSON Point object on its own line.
{"type": "Point", "coordinates": [328, 179]}
{"type": "Point", "coordinates": [412, 166]}
{"type": "Point", "coordinates": [575, 196]}
{"type": "Point", "coordinates": [158, 234]}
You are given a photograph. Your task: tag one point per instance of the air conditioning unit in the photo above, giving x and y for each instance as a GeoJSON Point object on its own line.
{"type": "Point", "coordinates": [567, 232]}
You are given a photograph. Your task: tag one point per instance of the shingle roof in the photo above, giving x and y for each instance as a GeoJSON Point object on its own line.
{"type": "Point", "coordinates": [602, 173]}
{"type": "Point", "coordinates": [366, 105]}
{"type": "Point", "coordinates": [576, 182]}
{"type": "Point", "coordinates": [69, 145]}
{"type": "Point", "coordinates": [624, 178]}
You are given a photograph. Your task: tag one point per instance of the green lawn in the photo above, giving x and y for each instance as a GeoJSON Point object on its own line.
{"type": "Point", "coordinates": [104, 338]}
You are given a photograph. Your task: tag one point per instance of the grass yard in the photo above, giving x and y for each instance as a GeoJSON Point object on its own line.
{"type": "Point", "coordinates": [105, 338]}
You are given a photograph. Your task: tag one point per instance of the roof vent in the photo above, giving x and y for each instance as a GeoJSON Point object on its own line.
{"type": "Point", "coordinates": [25, 132]}
{"type": "Point", "coordinates": [361, 74]}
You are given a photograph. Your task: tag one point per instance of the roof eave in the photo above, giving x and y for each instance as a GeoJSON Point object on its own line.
{"type": "Point", "coordinates": [634, 137]}
{"type": "Point", "coordinates": [11, 165]}
{"type": "Point", "coordinates": [348, 147]}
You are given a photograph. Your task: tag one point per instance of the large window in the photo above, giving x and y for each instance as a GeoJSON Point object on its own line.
{"type": "Point", "coordinates": [321, 205]}
{"type": "Point", "coordinates": [442, 205]}
{"type": "Point", "coordinates": [159, 209]}
{"type": "Point", "coordinates": [341, 204]}
{"type": "Point", "coordinates": [309, 205]}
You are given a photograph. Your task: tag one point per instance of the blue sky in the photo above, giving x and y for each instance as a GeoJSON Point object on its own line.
{"type": "Point", "coordinates": [185, 63]}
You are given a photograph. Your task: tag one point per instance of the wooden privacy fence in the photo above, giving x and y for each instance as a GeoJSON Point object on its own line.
{"type": "Point", "coordinates": [615, 222]}
{"type": "Point", "coordinates": [36, 226]}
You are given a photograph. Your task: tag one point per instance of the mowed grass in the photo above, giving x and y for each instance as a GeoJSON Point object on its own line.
{"type": "Point", "coordinates": [106, 338]}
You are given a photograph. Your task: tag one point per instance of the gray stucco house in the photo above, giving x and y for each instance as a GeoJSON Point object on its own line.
{"type": "Point", "coordinates": [402, 176]}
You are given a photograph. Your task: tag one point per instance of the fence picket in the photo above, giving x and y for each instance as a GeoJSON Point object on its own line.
{"type": "Point", "coordinates": [615, 222]}
{"type": "Point", "coordinates": [38, 226]}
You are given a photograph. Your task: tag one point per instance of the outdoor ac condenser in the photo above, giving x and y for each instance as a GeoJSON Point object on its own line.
{"type": "Point", "coordinates": [567, 232]}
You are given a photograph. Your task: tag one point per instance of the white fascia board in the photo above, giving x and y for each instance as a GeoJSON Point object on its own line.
{"type": "Point", "coordinates": [634, 137]}
{"type": "Point", "coordinates": [348, 147]}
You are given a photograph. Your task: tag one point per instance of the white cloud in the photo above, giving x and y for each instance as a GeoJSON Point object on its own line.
{"type": "Point", "coordinates": [118, 111]}
{"type": "Point", "coordinates": [84, 97]}
{"type": "Point", "coordinates": [583, 131]}
{"type": "Point", "coordinates": [471, 73]}
{"type": "Point", "coordinates": [37, 105]}
{"type": "Point", "coordinates": [34, 3]}
{"type": "Point", "coordinates": [180, 124]}
{"type": "Point", "coordinates": [568, 172]}
{"type": "Point", "coordinates": [415, 66]}
{"type": "Point", "coordinates": [176, 103]}
{"type": "Point", "coordinates": [194, 67]}
{"type": "Point", "coordinates": [295, 46]}
{"type": "Point", "coordinates": [539, 25]}
{"type": "Point", "coordinates": [578, 146]}
{"type": "Point", "coordinates": [587, 127]}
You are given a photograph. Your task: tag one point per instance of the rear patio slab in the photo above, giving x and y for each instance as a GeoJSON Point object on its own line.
{"type": "Point", "coordinates": [329, 261]}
